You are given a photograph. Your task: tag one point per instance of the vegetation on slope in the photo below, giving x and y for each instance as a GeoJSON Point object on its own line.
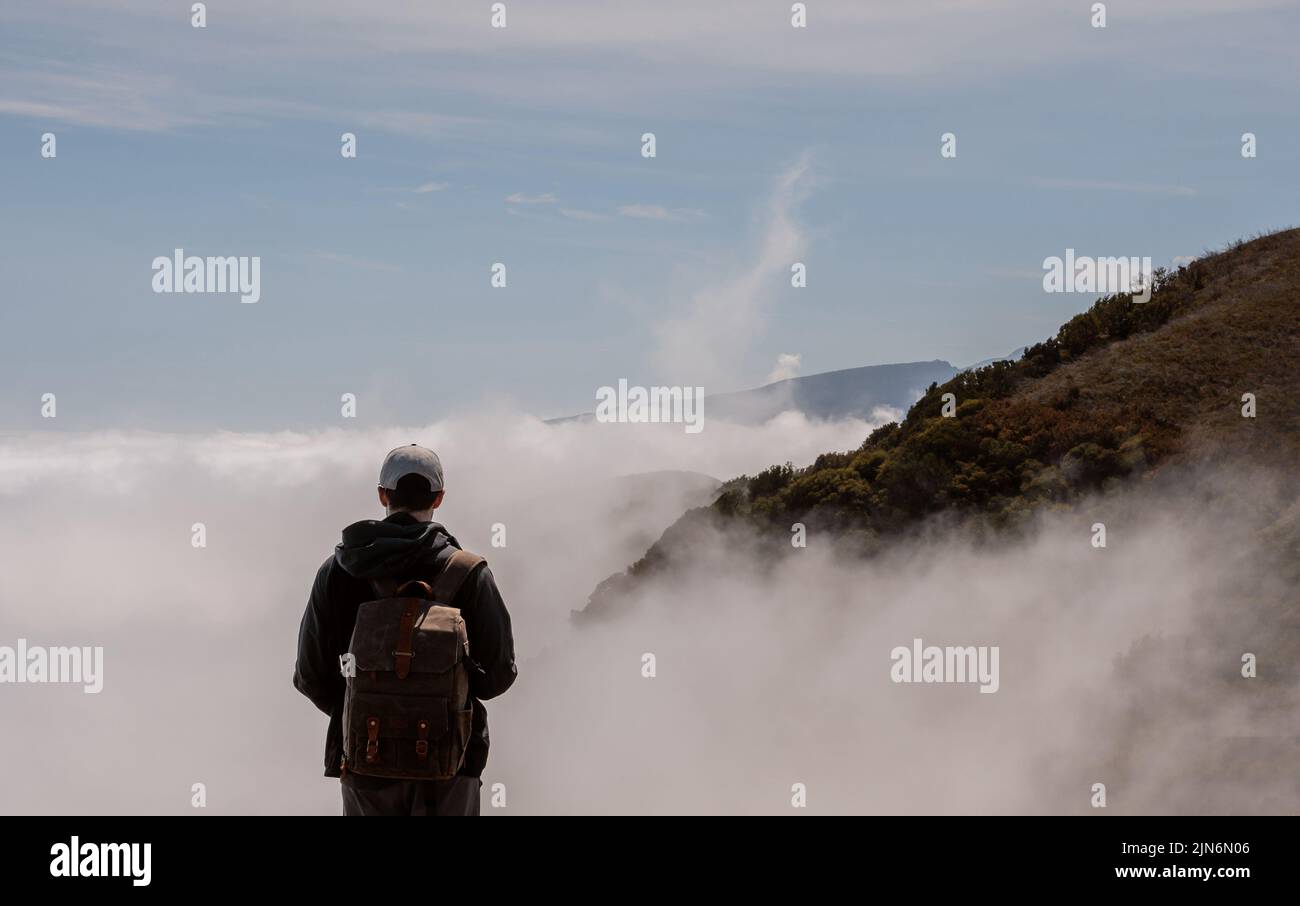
{"type": "Point", "coordinates": [1106, 398]}
{"type": "Point", "coordinates": [1122, 389]}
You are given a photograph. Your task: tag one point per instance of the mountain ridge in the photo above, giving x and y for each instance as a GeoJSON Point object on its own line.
{"type": "Point", "coordinates": [857, 392]}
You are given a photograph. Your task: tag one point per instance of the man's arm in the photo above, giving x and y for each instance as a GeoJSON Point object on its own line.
{"type": "Point", "coordinates": [316, 674]}
{"type": "Point", "coordinates": [491, 642]}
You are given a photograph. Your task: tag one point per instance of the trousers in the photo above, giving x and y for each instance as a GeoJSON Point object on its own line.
{"type": "Point", "coordinates": [376, 796]}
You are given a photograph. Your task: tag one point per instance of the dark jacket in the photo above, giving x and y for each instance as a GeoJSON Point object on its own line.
{"type": "Point", "coordinates": [399, 547]}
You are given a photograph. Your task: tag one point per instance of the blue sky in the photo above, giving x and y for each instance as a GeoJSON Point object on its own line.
{"type": "Point", "coordinates": [522, 145]}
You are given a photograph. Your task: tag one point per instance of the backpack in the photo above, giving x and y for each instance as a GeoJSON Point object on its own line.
{"type": "Point", "coordinates": [406, 712]}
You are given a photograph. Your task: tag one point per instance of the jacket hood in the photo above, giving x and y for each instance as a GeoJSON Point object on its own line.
{"type": "Point", "coordinates": [398, 545]}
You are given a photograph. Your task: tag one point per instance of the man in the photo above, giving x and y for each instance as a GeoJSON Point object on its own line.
{"type": "Point", "coordinates": [406, 545]}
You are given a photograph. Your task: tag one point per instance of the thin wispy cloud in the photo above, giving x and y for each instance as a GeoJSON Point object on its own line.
{"type": "Point", "coordinates": [417, 123]}
{"type": "Point", "coordinates": [659, 212]}
{"type": "Point", "coordinates": [94, 96]}
{"type": "Point", "coordinates": [521, 198]}
{"type": "Point", "coordinates": [427, 187]}
{"type": "Point", "coordinates": [709, 339]}
{"type": "Point", "coordinates": [545, 59]}
{"type": "Point", "coordinates": [579, 214]}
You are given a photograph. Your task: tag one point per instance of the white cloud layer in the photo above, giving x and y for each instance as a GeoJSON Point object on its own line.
{"type": "Point", "coordinates": [199, 643]}
{"type": "Point", "coordinates": [767, 674]}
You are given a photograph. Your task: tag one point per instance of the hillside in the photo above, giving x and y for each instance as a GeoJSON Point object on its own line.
{"type": "Point", "coordinates": [1123, 391]}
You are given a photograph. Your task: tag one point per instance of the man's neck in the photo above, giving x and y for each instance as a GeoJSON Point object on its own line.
{"type": "Point", "coordinates": [418, 516]}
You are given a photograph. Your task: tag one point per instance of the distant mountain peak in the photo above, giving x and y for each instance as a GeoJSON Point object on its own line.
{"type": "Point", "coordinates": [861, 392]}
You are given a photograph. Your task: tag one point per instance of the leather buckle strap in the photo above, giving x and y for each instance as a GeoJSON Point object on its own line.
{"type": "Point", "coordinates": [422, 744]}
{"type": "Point", "coordinates": [405, 630]}
{"type": "Point", "coordinates": [372, 740]}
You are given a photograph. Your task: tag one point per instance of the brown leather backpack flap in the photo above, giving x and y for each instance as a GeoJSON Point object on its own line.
{"type": "Point", "coordinates": [437, 640]}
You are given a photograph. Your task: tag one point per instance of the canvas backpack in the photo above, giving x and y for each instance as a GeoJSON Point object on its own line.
{"type": "Point", "coordinates": [406, 712]}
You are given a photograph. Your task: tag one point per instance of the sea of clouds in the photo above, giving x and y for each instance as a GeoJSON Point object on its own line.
{"type": "Point", "coordinates": [199, 643]}
{"type": "Point", "coordinates": [1118, 665]}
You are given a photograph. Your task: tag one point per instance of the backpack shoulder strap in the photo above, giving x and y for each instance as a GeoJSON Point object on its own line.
{"type": "Point", "coordinates": [459, 565]}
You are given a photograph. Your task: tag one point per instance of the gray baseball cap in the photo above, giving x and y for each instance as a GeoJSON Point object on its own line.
{"type": "Point", "coordinates": [411, 460]}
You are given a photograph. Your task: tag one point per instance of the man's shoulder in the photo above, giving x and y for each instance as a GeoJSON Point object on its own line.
{"type": "Point", "coordinates": [470, 558]}
{"type": "Point", "coordinates": [323, 574]}
{"type": "Point", "coordinates": [478, 584]}
{"type": "Point", "coordinates": [330, 577]}
{"type": "Point", "coordinates": [472, 564]}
